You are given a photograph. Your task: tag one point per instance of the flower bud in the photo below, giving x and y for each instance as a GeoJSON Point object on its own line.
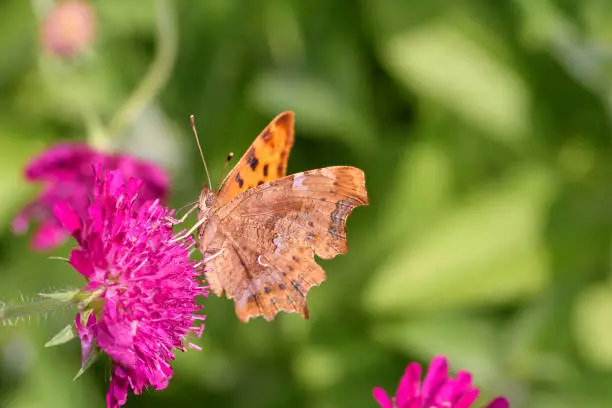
{"type": "Point", "coordinates": [68, 29]}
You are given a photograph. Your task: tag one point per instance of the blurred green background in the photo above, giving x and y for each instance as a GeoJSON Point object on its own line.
{"type": "Point", "coordinates": [484, 130]}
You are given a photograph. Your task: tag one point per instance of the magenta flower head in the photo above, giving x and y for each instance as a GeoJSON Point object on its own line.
{"type": "Point", "coordinates": [66, 172]}
{"type": "Point", "coordinates": [438, 389]}
{"type": "Point", "coordinates": [139, 303]}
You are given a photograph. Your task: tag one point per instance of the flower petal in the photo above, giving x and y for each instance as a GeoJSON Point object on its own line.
{"type": "Point", "coordinates": [20, 224]}
{"type": "Point", "coordinates": [382, 398]}
{"type": "Point", "coordinates": [59, 162]}
{"type": "Point", "coordinates": [80, 260]}
{"type": "Point", "coordinates": [437, 375]}
{"type": "Point", "coordinates": [467, 398]}
{"type": "Point", "coordinates": [409, 385]}
{"type": "Point", "coordinates": [143, 285]}
{"type": "Point", "coordinates": [86, 334]}
{"type": "Point", "coordinates": [438, 390]}
{"type": "Point", "coordinates": [48, 235]}
{"type": "Point", "coordinates": [499, 403]}
{"type": "Point", "coordinates": [116, 334]}
{"type": "Point", "coordinates": [68, 172]}
{"type": "Point", "coordinates": [68, 218]}
{"type": "Point", "coordinates": [117, 391]}
{"type": "Point", "coordinates": [453, 389]}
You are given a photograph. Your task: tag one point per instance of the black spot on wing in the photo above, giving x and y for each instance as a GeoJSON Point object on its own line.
{"type": "Point", "coordinates": [252, 159]}
{"type": "Point", "coordinates": [239, 180]}
{"type": "Point", "coordinates": [266, 135]}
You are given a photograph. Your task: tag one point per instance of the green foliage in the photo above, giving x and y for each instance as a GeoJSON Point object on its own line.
{"type": "Point", "coordinates": [484, 131]}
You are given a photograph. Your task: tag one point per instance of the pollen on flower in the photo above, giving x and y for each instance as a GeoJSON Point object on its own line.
{"type": "Point", "coordinates": [145, 285]}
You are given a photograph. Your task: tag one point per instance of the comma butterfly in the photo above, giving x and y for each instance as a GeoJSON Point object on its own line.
{"type": "Point", "coordinates": [259, 234]}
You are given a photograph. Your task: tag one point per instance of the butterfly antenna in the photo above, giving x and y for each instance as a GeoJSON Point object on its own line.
{"type": "Point", "coordinates": [195, 133]}
{"type": "Point", "coordinates": [230, 155]}
{"type": "Point", "coordinates": [190, 204]}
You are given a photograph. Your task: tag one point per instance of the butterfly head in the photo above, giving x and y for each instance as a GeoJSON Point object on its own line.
{"type": "Point", "coordinates": [205, 201]}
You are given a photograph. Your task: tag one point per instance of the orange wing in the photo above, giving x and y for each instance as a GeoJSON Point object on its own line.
{"type": "Point", "coordinates": [262, 244]}
{"type": "Point", "coordinates": [264, 161]}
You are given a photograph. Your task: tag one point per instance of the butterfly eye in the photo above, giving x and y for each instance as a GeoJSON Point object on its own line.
{"type": "Point", "coordinates": [210, 199]}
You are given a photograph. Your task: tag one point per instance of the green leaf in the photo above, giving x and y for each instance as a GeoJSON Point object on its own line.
{"type": "Point", "coordinates": [542, 21]}
{"type": "Point", "coordinates": [592, 325]}
{"type": "Point", "coordinates": [318, 368]}
{"type": "Point", "coordinates": [64, 336]}
{"type": "Point", "coordinates": [468, 343]}
{"type": "Point", "coordinates": [488, 251]}
{"type": "Point", "coordinates": [421, 191]}
{"type": "Point", "coordinates": [319, 106]}
{"type": "Point", "coordinates": [47, 384]}
{"type": "Point", "coordinates": [126, 18]}
{"type": "Point", "coordinates": [16, 149]}
{"type": "Point", "coordinates": [443, 63]}
{"type": "Point", "coordinates": [92, 357]}
{"type": "Point", "coordinates": [527, 349]}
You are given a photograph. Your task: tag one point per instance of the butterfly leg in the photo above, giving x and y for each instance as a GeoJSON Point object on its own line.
{"type": "Point", "coordinates": [213, 256]}
{"type": "Point", "coordinates": [58, 258]}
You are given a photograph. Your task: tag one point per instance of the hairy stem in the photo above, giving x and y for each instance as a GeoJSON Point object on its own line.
{"type": "Point", "coordinates": [10, 314]}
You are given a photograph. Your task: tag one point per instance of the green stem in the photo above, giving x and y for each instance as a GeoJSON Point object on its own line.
{"type": "Point", "coordinates": [95, 131]}
{"type": "Point", "coordinates": [10, 314]}
{"type": "Point", "coordinates": [158, 74]}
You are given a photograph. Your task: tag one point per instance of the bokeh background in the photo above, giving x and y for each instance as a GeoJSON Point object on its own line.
{"type": "Point", "coordinates": [484, 129]}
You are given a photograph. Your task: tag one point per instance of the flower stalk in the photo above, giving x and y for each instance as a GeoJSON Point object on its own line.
{"type": "Point", "coordinates": [45, 303]}
{"type": "Point", "coordinates": [158, 73]}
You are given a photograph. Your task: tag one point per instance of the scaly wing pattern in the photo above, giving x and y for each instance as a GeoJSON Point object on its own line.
{"type": "Point", "coordinates": [264, 161]}
{"type": "Point", "coordinates": [268, 236]}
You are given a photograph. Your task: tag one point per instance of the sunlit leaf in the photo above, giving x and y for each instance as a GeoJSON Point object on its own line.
{"type": "Point", "coordinates": [420, 191]}
{"type": "Point", "coordinates": [441, 62]}
{"type": "Point", "coordinates": [468, 343]}
{"type": "Point", "coordinates": [318, 367]}
{"type": "Point", "coordinates": [489, 250]}
{"type": "Point", "coordinates": [592, 326]}
{"type": "Point", "coordinates": [49, 383]}
{"type": "Point", "coordinates": [65, 335]}
{"type": "Point", "coordinates": [15, 151]}
{"type": "Point", "coordinates": [92, 357]}
{"type": "Point", "coordinates": [316, 103]}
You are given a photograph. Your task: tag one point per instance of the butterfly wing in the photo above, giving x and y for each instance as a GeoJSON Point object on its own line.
{"type": "Point", "coordinates": [265, 160]}
{"type": "Point", "coordinates": [269, 234]}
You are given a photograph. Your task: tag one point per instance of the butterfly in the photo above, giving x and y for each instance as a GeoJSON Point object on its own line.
{"type": "Point", "coordinates": [259, 234]}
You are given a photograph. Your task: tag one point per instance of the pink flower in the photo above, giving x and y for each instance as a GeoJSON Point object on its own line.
{"type": "Point", "coordinates": [69, 28]}
{"type": "Point", "coordinates": [438, 389]}
{"type": "Point", "coordinates": [139, 303]}
{"type": "Point", "coordinates": [66, 172]}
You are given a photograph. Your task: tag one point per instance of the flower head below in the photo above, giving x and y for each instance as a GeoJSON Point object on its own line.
{"type": "Point", "coordinates": [438, 389]}
{"type": "Point", "coordinates": [66, 172]}
{"type": "Point", "coordinates": [139, 304]}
